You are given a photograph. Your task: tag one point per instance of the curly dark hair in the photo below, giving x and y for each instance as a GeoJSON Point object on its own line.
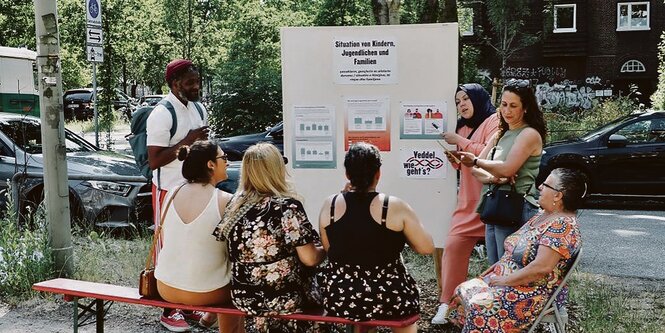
{"type": "Point", "coordinates": [195, 160]}
{"type": "Point", "coordinates": [533, 117]}
{"type": "Point", "coordinates": [573, 186]}
{"type": "Point", "coordinates": [362, 162]}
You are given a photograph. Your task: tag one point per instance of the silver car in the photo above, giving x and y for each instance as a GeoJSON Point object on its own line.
{"type": "Point", "coordinates": [93, 202]}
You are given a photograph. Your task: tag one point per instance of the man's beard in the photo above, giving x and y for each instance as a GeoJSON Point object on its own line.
{"type": "Point", "coordinates": [186, 97]}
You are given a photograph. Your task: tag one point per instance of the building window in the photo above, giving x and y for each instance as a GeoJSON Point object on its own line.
{"type": "Point", "coordinates": [465, 20]}
{"type": "Point", "coordinates": [633, 16]}
{"type": "Point", "coordinates": [633, 66]}
{"type": "Point", "coordinates": [565, 18]}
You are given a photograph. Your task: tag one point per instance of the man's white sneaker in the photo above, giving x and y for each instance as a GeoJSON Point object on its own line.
{"type": "Point", "coordinates": [440, 316]}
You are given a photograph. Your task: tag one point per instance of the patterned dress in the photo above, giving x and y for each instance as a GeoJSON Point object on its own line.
{"type": "Point", "coordinates": [481, 308]}
{"type": "Point", "coordinates": [268, 277]}
{"type": "Point", "coordinates": [365, 278]}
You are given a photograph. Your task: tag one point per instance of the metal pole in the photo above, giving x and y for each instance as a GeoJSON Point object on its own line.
{"type": "Point", "coordinates": [94, 99]}
{"type": "Point", "coordinates": [56, 192]}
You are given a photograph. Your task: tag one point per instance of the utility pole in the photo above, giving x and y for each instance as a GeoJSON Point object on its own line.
{"type": "Point", "coordinates": [56, 191]}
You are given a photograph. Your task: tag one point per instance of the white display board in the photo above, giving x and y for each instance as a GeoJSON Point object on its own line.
{"type": "Point", "coordinates": [361, 84]}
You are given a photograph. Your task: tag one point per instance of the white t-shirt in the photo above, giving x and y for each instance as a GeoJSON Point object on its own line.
{"type": "Point", "coordinates": [191, 258]}
{"type": "Point", "coordinates": [158, 131]}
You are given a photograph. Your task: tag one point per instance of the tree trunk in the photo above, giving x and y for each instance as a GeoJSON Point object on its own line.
{"type": "Point", "coordinates": [430, 12]}
{"type": "Point", "coordinates": [449, 11]}
{"type": "Point", "coordinates": [386, 11]}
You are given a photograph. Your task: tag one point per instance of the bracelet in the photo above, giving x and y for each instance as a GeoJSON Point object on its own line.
{"type": "Point", "coordinates": [475, 161]}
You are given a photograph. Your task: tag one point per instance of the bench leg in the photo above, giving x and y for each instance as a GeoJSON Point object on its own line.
{"type": "Point", "coordinates": [99, 311]}
{"type": "Point", "coordinates": [75, 302]}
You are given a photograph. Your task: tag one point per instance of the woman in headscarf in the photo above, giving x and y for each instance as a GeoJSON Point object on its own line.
{"type": "Point", "coordinates": [475, 127]}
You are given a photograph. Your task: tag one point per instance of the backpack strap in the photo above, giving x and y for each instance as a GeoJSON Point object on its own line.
{"type": "Point", "coordinates": [332, 209]}
{"type": "Point", "coordinates": [169, 107]}
{"type": "Point", "coordinates": [384, 210]}
{"type": "Point", "coordinates": [199, 109]}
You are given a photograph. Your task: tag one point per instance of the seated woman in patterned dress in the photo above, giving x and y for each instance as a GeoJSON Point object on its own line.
{"type": "Point", "coordinates": [364, 233]}
{"type": "Point", "coordinates": [270, 240]}
{"type": "Point", "coordinates": [510, 294]}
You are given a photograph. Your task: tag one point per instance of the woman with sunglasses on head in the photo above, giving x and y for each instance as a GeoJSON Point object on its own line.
{"type": "Point", "coordinates": [270, 241]}
{"type": "Point", "coordinates": [512, 158]}
{"type": "Point", "coordinates": [192, 267]}
{"type": "Point", "coordinates": [477, 124]}
{"type": "Point", "coordinates": [510, 295]}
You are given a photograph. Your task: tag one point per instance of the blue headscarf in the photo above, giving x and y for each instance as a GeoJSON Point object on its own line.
{"type": "Point", "coordinates": [482, 106]}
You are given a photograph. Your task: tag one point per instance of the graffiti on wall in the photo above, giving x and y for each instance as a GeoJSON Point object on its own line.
{"type": "Point", "coordinates": [543, 73]}
{"type": "Point", "coordinates": [570, 94]}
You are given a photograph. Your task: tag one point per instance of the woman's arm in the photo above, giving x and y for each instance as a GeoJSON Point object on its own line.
{"type": "Point", "coordinates": [527, 143]}
{"type": "Point", "coordinates": [324, 221]}
{"type": "Point", "coordinates": [486, 130]}
{"type": "Point", "coordinates": [416, 236]}
{"type": "Point", "coordinates": [310, 254]}
{"type": "Point", "coordinates": [544, 264]}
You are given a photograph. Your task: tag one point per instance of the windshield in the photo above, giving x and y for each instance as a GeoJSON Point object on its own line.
{"type": "Point", "coordinates": [26, 135]}
{"type": "Point", "coordinates": [602, 129]}
{"type": "Point", "coordinates": [86, 96]}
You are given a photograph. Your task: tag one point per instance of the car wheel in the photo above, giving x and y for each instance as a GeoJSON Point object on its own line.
{"type": "Point", "coordinates": [30, 212]}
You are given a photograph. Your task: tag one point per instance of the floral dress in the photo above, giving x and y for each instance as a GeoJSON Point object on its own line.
{"type": "Point", "coordinates": [268, 278]}
{"type": "Point", "coordinates": [481, 308]}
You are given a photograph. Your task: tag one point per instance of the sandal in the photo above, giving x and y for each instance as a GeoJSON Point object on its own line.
{"type": "Point", "coordinates": [207, 324]}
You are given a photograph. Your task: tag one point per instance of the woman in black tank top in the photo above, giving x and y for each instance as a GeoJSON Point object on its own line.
{"type": "Point", "coordinates": [364, 233]}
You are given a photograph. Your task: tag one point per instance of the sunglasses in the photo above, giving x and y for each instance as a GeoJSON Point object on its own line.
{"type": "Point", "coordinates": [224, 157]}
{"type": "Point", "coordinates": [518, 83]}
{"type": "Point", "coordinates": [550, 187]}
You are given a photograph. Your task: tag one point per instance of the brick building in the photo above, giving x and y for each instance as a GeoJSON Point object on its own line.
{"type": "Point", "coordinates": [588, 49]}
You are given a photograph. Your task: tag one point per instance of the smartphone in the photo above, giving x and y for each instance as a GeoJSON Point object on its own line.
{"type": "Point", "coordinates": [446, 151]}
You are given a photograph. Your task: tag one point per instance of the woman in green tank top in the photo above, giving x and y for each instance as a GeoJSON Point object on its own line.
{"type": "Point", "coordinates": [513, 158]}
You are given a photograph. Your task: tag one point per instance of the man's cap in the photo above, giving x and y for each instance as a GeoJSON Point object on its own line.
{"type": "Point", "coordinates": [175, 67]}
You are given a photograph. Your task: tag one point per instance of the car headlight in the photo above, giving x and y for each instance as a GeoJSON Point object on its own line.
{"type": "Point", "coordinates": [110, 187]}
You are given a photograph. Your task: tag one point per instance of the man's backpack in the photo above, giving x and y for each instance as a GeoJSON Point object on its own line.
{"type": "Point", "coordinates": [138, 137]}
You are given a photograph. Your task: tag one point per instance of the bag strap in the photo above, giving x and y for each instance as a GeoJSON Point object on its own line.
{"type": "Point", "coordinates": [332, 209]}
{"type": "Point", "coordinates": [158, 231]}
{"type": "Point", "coordinates": [199, 109]}
{"type": "Point", "coordinates": [384, 210]}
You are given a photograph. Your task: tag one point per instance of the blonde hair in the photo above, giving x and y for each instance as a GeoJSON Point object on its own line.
{"type": "Point", "coordinates": [263, 174]}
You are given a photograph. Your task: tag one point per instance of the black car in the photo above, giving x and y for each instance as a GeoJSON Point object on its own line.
{"type": "Point", "coordinates": [78, 103]}
{"type": "Point", "coordinates": [96, 202]}
{"type": "Point", "coordinates": [623, 157]}
{"type": "Point", "coordinates": [235, 146]}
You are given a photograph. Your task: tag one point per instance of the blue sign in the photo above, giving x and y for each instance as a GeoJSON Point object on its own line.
{"type": "Point", "coordinates": [93, 8]}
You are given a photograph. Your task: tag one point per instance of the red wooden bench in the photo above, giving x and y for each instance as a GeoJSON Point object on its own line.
{"type": "Point", "coordinates": [104, 294]}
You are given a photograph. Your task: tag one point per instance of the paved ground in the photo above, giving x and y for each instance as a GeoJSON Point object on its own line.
{"type": "Point", "coordinates": [623, 242]}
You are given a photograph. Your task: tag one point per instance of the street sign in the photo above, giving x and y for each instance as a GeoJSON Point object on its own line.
{"type": "Point", "coordinates": [93, 10]}
{"type": "Point", "coordinates": [93, 36]}
{"type": "Point", "coordinates": [95, 54]}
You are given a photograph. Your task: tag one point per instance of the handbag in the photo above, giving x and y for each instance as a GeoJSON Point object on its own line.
{"type": "Point", "coordinates": [147, 280]}
{"type": "Point", "coordinates": [502, 207]}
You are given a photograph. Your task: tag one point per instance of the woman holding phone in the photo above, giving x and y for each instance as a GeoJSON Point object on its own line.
{"type": "Point", "coordinates": [475, 127]}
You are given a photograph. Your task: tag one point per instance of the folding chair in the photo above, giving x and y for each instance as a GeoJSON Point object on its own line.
{"type": "Point", "coordinates": [551, 313]}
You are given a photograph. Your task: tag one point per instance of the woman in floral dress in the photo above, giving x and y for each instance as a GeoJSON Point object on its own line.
{"type": "Point", "coordinates": [510, 294]}
{"type": "Point", "coordinates": [270, 240]}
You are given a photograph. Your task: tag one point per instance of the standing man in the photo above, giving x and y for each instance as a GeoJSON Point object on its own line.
{"type": "Point", "coordinates": [183, 80]}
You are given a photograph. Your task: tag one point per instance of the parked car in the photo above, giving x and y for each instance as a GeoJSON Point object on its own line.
{"type": "Point", "coordinates": [78, 103]}
{"type": "Point", "coordinates": [150, 100]}
{"type": "Point", "coordinates": [95, 202]}
{"type": "Point", "coordinates": [235, 146]}
{"type": "Point", "coordinates": [623, 157]}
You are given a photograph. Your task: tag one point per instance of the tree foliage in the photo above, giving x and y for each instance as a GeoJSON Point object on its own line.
{"type": "Point", "coordinates": [507, 18]}
{"type": "Point", "coordinates": [658, 97]}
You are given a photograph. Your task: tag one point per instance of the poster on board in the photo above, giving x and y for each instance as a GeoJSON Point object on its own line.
{"type": "Point", "coordinates": [367, 119]}
{"type": "Point", "coordinates": [359, 60]}
{"type": "Point", "coordinates": [314, 137]}
{"type": "Point", "coordinates": [422, 163]}
{"type": "Point", "coordinates": [420, 120]}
